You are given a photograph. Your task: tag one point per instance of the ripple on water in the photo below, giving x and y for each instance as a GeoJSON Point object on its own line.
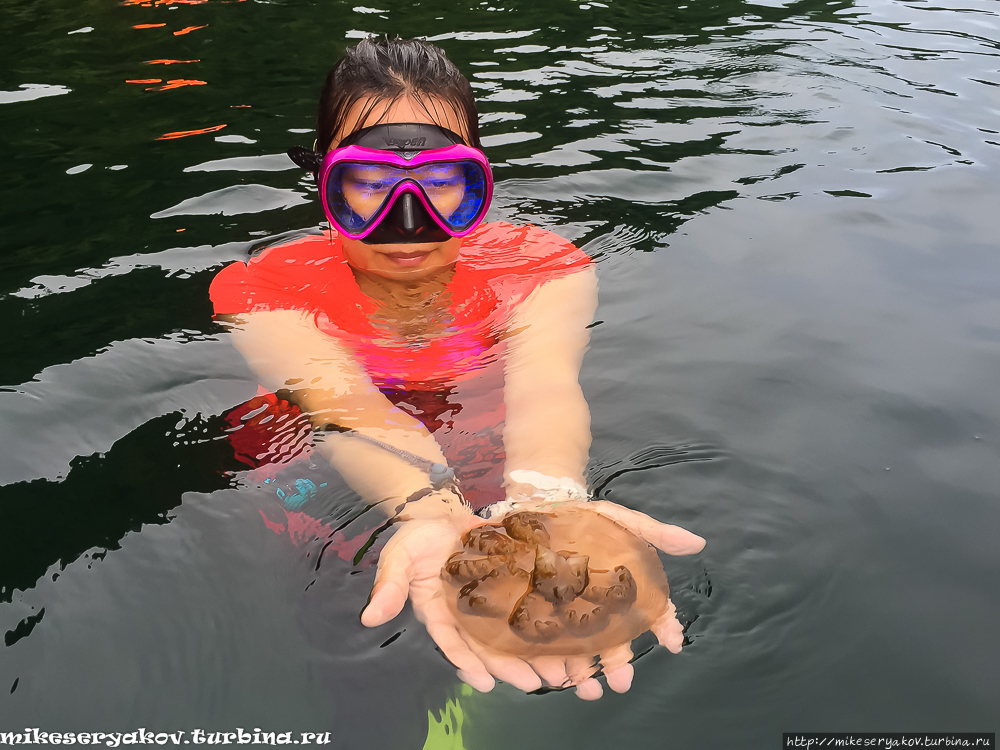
{"type": "Point", "coordinates": [756, 365]}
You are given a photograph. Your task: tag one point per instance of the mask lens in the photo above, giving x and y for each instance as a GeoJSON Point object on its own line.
{"type": "Point", "coordinates": [456, 190]}
{"type": "Point", "coordinates": [356, 192]}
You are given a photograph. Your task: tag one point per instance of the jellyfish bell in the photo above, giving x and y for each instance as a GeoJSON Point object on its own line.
{"type": "Point", "coordinates": [559, 581]}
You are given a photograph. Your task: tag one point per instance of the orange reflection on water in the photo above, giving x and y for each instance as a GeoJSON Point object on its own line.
{"type": "Point", "coordinates": [186, 133]}
{"type": "Point", "coordinates": [189, 29]}
{"type": "Point", "coordinates": [145, 80]}
{"type": "Point", "coordinates": [167, 62]}
{"type": "Point", "coordinates": [176, 83]}
{"type": "Point", "coordinates": [150, 3]}
{"type": "Point", "coordinates": [148, 25]}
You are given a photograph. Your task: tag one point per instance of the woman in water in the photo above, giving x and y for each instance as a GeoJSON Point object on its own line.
{"type": "Point", "coordinates": [435, 356]}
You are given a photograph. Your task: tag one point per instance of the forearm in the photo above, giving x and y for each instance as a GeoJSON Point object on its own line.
{"type": "Point", "coordinates": [321, 376]}
{"type": "Point", "coordinates": [377, 474]}
{"type": "Point", "coordinates": [547, 430]}
{"type": "Point", "coordinates": [547, 426]}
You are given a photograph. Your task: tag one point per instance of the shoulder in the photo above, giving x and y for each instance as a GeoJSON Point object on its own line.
{"type": "Point", "coordinates": [502, 247]}
{"type": "Point", "coordinates": [277, 277]}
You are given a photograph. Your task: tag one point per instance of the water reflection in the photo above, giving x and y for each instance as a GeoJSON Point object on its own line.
{"type": "Point", "coordinates": [103, 497]}
{"type": "Point", "coordinates": [756, 306]}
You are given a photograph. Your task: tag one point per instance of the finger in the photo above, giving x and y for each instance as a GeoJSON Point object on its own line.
{"type": "Point", "coordinates": [388, 598]}
{"type": "Point", "coordinates": [392, 586]}
{"type": "Point", "coordinates": [476, 681]}
{"type": "Point", "coordinates": [617, 668]}
{"type": "Point", "coordinates": [620, 680]}
{"type": "Point", "coordinates": [668, 630]}
{"type": "Point", "coordinates": [476, 659]}
{"type": "Point", "coordinates": [671, 539]}
{"type": "Point", "coordinates": [470, 668]}
{"type": "Point", "coordinates": [510, 669]}
{"type": "Point", "coordinates": [589, 690]}
{"type": "Point", "coordinates": [552, 670]}
{"type": "Point", "coordinates": [580, 668]}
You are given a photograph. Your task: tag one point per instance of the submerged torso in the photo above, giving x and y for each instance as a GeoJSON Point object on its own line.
{"type": "Point", "coordinates": [442, 363]}
{"type": "Point", "coordinates": [499, 266]}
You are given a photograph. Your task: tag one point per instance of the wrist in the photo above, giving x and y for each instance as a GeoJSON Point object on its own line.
{"type": "Point", "coordinates": [526, 484]}
{"type": "Point", "coordinates": [532, 490]}
{"type": "Point", "coordinates": [431, 504]}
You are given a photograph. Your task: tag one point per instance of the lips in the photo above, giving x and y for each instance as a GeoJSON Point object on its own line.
{"type": "Point", "coordinates": [406, 259]}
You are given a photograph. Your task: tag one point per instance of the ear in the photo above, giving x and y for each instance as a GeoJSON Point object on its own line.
{"type": "Point", "coordinates": [306, 158]}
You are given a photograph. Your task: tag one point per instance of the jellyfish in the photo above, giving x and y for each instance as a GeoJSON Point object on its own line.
{"type": "Point", "coordinates": [496, 594]}
{"type": "Point", "coordinates": [559, 576]}
{"type": "Point", "coordinates": [564, 581]}
{"type": "Point", "coordinates": [527, 527]}
{"type": "Point", "coordinates": [616, 589]}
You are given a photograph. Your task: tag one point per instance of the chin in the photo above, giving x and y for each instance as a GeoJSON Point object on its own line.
{"type": "Point", "coordinates": [412, 273]}
{"type": "Point", "coordinates": [403, 261]}
{"type": "Point", "coordinates": [404, 248]}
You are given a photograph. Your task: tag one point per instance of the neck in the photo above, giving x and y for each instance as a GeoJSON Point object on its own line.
{"type": "Point", "coordinates": [404, 293]}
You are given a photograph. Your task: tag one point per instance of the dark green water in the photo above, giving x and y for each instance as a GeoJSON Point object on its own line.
{"type": "Point", "coordinates": [793, 207]}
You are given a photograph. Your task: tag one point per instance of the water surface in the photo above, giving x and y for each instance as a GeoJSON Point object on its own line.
{"type": "Point", "coordinates": [793, 211]}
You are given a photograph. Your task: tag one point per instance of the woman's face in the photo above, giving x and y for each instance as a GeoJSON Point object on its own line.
{"type": "Point", "coordinates": [405, 261]}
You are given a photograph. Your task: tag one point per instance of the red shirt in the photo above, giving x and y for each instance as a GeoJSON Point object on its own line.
{"type": "Point", "coordinates": [498, 267]}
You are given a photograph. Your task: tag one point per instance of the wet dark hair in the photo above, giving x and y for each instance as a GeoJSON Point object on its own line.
{"type": "Point", "coordinates": [388, 70]}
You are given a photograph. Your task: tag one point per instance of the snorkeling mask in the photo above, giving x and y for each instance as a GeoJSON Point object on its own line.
{"type": "Point", "coordinates": [398, 183]}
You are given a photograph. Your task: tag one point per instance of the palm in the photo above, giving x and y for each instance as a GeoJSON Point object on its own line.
{"type": "Point", "coordinates": [410, 566]}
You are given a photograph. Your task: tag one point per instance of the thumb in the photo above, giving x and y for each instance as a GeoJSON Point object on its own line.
{"type": "Point", "coordinates": [386, 602]}
{"type": "Point", "coordinates": [671, 539]}
{"type": "Point", "coordinates": [392, 586]}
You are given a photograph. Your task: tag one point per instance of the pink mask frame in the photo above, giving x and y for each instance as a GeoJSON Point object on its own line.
{"type": "Point", "coordinates": [458, 153]}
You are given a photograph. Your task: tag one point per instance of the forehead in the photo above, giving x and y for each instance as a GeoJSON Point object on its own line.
{"type": "Point", "coordinates": [373, 111]}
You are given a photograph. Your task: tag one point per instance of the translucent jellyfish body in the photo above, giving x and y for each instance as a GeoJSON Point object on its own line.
{"type": "Point", "coordinates": [561, 582]}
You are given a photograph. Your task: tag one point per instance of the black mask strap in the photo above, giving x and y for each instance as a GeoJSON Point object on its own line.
{"type": "Point", "coordinates": [306, 158]}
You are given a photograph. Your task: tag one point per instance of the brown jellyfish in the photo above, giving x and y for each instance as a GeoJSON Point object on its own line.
{"type": "Point", "coordinates": [535, 620]}
{"type": "Point", "coordinates": [490, 540]}
{"type": "Point", "coordinates": [559, 576]}
{"type": "Point", "coordinates": [527, 527]}
{"type": "Point", "coordinates": [615, 589]}
{"type": "Point", "coordinates": [496, 594]}
{"type": "Point", "coordinates": [565, 581]}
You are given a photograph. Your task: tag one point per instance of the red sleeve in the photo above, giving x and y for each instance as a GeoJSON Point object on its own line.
{"type": "Point", "coordinates": [514, 261]}
{"type": "Point", "coordinates": [280, 278]}
{"type": "Point", "coordinates": [549, 255]}
{"type": "Point", "coordinates": [502, 249]}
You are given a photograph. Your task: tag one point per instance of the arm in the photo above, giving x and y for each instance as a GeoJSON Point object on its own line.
{"type": "Point", "coordinates": [548, 421]}
{"type": "Point", "coordinates": [287, 351]}
{"type": "Point", "coordinates": [548, 430]}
